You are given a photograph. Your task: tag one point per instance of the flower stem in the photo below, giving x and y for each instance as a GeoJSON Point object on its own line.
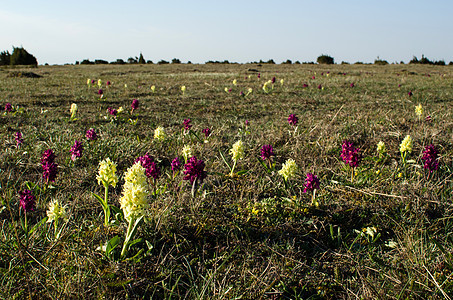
{"type": "Point", "coordinates": [106, 206]}
{"type": "Point", "coordinates": [232, 169]}
{"type": "Point", "coordinates": [128, 237]}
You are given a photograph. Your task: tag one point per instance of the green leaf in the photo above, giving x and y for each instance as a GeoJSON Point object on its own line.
{"type": "Point", "coordinates": [111, 245]}
{"type": "Point", "coordinates": [224, 160]}
{"type": "Point", "coordinates": [37, 225]}
{"type": "Point", "coordinates": [101, 200]}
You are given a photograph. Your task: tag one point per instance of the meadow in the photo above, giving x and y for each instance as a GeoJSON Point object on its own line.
{"type": "Point", "coordinates": [240, 221]}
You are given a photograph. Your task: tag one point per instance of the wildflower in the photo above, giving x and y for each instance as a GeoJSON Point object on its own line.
{"type": "Point", "coordinates": [419, 111]}
{"type": "Point", "coordinates": [410, 94]}
{"type": "Point", "coordinates": [107, 173]}
{"type": "Point", "coordinates": [281, 82]}
{"type": "Point", "coordinates": [319, 87]}
{"type": "Point", "coordinates": [159, 133]}
{"type": "Point", "coordinates": [186, 152]}
{"type": "Point", "coordinates": [207, 132]}
{"type": "Point", "coordinates": [93, 81]}
{"type": "Point", "coordinates": [381, 148]}
{"type": "Point", "coordinates": [73, 111]}
{"type": "Point", "coordinates": [430, 158]}
{"type": "Point", "coordinates": [183, 89]}
{"type": "Point", "coordinates": [112, 111]}
{"type": "Point", "coordinates": [351, 85]}
{"type": "Point", "coordinates": [135, 193]}
{"type": "Point", "coordinates": [8, 107]}
{"type": "Point", "coordinates": [101, 93]}
{"type": "Point", "coordinates": [134, 104]}
{"type": "Point", "coordinates": [305, 85]}
{"type": "Point", "coordinates": [259, 75]}
{"type": "Point", "coordinates": [406, 145]}
{"type": "Point", "coordinates": [18, 138]}
{"type": "Point", "coordinates": [266, 86]}
{"type": "Point", "coordinates": [187, 124]}
{"type": "Point", "coordinates": [428, 119]}
{"type": "Point", "coordinates": [235, 82]}
{"type": "Point", "coordinates": [27, 200]}
{"type": "Point", "coordinates": [49, 166]}
{"type": "Point", "coordinates": [241, 94]}
{"type": "Point", "coordinates": [350, 154]}
{"type": "Point", "coordinates": [266, 152]}
{"type": "Point", "coordinates": [76, 150]}
{"type": "Point", "coordinates": [273, 80]}
{"type": "Point", "coordinates": [99, 83]}
{"type": "Point", "coordinates": [125, 85]}
{"type": "Point", "coordinates": [237, 151]}
{"type": "Point", "coordinates": [153, 88]}
{"type": "Point", "coordinates": [249, 91]}
{"type": "Point", "coordinates": [120, 109]}
{"type": "Point", "coordinates": [292, 120]}
{"type": "Point", "coordinates": [108, 83]}
{"type": "Point", "coordinates": [289, 169]}
{"type": "Point", "coordinates": [176, 164]}
{"type": "Point", "coordinates": [311, 183]}
{"type": "Point", "coordinates": [194, 169]}
{"type": "Point", "coordinates": [91, 135]}
{"type": "Point", "coordinates": [56, 211]}
{"type": "Point", "coordinates": [247, 123]}
{"type": "Point", "coordinates": [89, 82]}
{"type": "Point", "coordinates": [151, 169]}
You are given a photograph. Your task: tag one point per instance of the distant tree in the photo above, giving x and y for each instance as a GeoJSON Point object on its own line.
{"type": "Point", "coordinates": [119, 61]}
{"type": "Point", "coordinates": [132, 60]}
{"type": "Point", "coordinates": [77, 62]}
{"type": "Point", "coordinates": [175, 61]}
{"type": "Point", "coordinates": [162, 62]}
{"type": "Point", "coordinates": [325, 59]}
{"type": "Point", "coordinates": [439, 63]}
{"type": "Point", "coordinates": [270, 61]}
{"type": "Point", "coordinates": [150, 62]}
{"type": "Point", "coordinates": [287, 62]}
{"type": "Point", "coordinates": [5, 58]}
{"type": "Point", "coordinates": [297, 62]}
{"type": "Point", "coordinates": [87, 62]}
{"type": "Point", "coordinates": [189, 62]}
{"type": "Point", "coordinates": [344, 63]}
{"type": "Point", "coordinates": [20, 56]}
{"type": "Point", "coordinates": [141, 59]}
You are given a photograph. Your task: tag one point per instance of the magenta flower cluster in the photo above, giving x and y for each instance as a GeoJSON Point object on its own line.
{"type": "Point", "coordinates": [27, 200]}
{"type": "Point", "coordinates": [112, 111]}
{"type": "Point", "coordinates": [207, 132]}
{"type": "Point", "coordinates": [292, 120]}
{"type": "Point", "coordinates": [194, 169]}
{"type": "Point", "coordinates": [430, 158]}
{"type": "Point", "coordinates": [49, 166]}
{"type": "Point", "coordinates": [18, 138]}
{"type": "Point", "coordinates": [91, 135]}
{"type": "Point", "coordinates": [151, 169]}
{"type": "Point", "coordinates": [350, 154]}
{"type": "Point", "coordinates": [267, 151]}
{"type": "Point", "coordinates": [76, 150]}
{"type": "Point", "coordinates": [134, 104]}
{"type": "Point", "coordinates": [311, 183]}
{"type": "Point", "coordinates": [8, 107]}
{"type": "Point", "coordinates": [176, 164]}
{"type": "Point", "coordinates": [186, 124]}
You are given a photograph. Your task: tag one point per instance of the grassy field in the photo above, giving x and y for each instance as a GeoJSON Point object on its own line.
{"type": "Point", "coordinates": [381, 230]}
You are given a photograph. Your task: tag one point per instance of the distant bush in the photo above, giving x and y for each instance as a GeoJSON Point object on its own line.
{"type": "Point", "coordinates": [325, 59]}
{"type": "Point", "coordinates": [162, 62]}
{"type": "Point", "coordinates": [119, 61]}
{"type": "Point", "coordinates": [425, 61]}
{"type": "Point", "coordinates": [344, 63]}
{"type": "Point", "coordinates": [100, 62]}
{"type": "Point", "coordinates": [381, 62]}
{"type": "Point", "coordinates": [270, 61]}
{"type": "Point", "coordinates": [132, 60]}
{"type": "Point", "coordinates": [287, 62]}
{"type": "Point", "coordinates": [150, 62]}
{"type": "Point", "coordinates": [20, 56]}
{"type": "Point", "coordinates": [175, 61]}
{"type": "Point", "coordinates": [297, 62]}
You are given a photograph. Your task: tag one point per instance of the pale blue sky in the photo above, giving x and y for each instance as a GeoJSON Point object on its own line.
{"type": "Point", "coordinates": [58, 32]}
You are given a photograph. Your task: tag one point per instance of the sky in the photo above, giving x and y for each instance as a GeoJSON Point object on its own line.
{"type": "Point", "coordinates": [59, 32]}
